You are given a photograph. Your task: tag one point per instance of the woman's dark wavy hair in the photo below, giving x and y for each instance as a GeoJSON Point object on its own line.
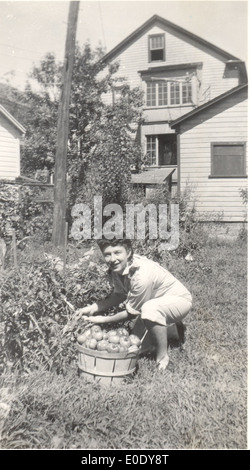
{"type": "Point", "coordinates": [104, 242]}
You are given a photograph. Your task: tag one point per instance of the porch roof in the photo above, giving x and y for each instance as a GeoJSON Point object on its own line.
{"type": "Point", "coordinates": [208, 104]}
{"type": "Point", "coordinates": [152, 176]}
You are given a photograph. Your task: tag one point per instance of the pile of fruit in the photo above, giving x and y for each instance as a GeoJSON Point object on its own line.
{"type": "Point", "coordinates": [115, 340]}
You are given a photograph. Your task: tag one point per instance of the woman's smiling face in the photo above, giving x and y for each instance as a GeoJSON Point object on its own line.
{"type": "Point", "coordinates": [116, 257]}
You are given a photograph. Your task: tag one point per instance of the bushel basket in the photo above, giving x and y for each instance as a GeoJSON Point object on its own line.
{"type": "Point", "coordinates": [106, 367]}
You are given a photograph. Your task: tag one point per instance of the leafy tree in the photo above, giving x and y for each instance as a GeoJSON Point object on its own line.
{"type": "Point", "coordinates": [101, 145]}
{"type": "Point", "coordinates": [40, 119]}
{"type": "Point", "coordinates": [115, 149]}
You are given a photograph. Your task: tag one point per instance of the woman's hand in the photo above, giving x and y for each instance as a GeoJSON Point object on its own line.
{"type": "Point", "coordinates": [88, 310]}
{"type": "Point", "coordinates": [84, 311]}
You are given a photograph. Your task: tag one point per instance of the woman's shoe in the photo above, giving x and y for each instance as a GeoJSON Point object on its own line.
{"type": "Point", "coordinates": [163, 363]}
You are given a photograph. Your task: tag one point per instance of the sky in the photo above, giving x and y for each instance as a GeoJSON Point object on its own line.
{"type": "Point", "coordinates": [30, 29]}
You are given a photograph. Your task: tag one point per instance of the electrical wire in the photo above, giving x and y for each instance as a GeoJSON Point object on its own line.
{"type": "Point", "coordinates": [28, 58]}
{"type": "Point", "coordinates": [23, 49]}
{"type": "Point", "coordinates": [100, 11]}
{"type": "Point", "coordinates": [17, 57]}
{"type": "Point", "coordinates": [16, 47]}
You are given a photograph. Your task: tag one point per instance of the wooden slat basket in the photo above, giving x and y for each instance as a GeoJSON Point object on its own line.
{"type": "Point", "coordinates": [105, 367]}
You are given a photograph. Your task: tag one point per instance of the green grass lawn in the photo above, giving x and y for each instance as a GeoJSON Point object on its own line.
{"type": "Point", "coordinates": [199, 402]}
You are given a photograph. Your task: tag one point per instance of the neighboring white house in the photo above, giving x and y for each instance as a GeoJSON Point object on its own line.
{"type": "Point", "coordinates": [180, 74]}
{"type": "Point", "coordinates": [11, 133]}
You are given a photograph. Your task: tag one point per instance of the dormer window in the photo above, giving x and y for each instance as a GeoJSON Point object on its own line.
{"type": "Point", "coordinates": [156, 48]}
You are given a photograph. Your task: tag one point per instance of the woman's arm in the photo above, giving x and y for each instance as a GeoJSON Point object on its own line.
{"type": "Point", "coordinates": [112, 301]}
{"type": "Point", "coordinates": [117, 317]}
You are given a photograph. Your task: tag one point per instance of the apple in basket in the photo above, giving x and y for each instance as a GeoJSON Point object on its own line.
{"type": "Point", "coordinates": [105, 334]}
{"type": "Point", "coordinates": [92, 343]}
{"type": "Point", "coordinates": [82, 337]}
{"type": "Point", "coordinates": [111, 333]}
{"type": "Point", "coordinates": [125, 341]}
{"type": "Point", "coordinates": [122, 332]}
{"type": "Point", "coordinates": [86, 343]}
{"type": "Point", "coordinates": [133, 348]}
{"type": "Point", "coordinates": [97, 334]}
{"type": "Point", "coordinates": [123, 349]}
{"type": "Point", "coordinates": [114, 338]}
{"type": "Point", "coordinates": [135, 340]}
{"type": "Point", "coordinates": [113, 348]}
{"type": "Point", "coordinates": [102, 345]}
{"type": "Point", "coordinates": [135, 343]}
{"type": "Point", "coordinates": [95, 328]}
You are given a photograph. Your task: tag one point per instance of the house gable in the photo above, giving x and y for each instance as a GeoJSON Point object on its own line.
{"type": "Point", "coordinates": [184, 57]}
{"type": "Point", "coordinates": [174, 29]}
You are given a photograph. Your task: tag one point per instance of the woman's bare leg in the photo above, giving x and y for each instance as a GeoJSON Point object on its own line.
{"type": "Point", "coordinates": [159, 337]}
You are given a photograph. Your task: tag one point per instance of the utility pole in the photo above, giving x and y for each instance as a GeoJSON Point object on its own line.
{"type": "Point", "coordinates": [60, 188]}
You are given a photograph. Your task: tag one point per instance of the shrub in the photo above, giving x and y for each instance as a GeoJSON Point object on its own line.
{"type": "Point", "coordinates": [36, 321]}
{"type": "Point", "coordinates": [193, 233]}
{"type": "Point", "coordinates": [21, 210]}
{"type": "Point", "coordinates": [243, 233]}
{"type": "Point", "coordinates": [244, 195]}
{"type": "Point", "coordinates": [9, 200]}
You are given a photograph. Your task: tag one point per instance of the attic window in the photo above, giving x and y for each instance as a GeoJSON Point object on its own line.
{"type": "Point", "coordinates": [156, 48]}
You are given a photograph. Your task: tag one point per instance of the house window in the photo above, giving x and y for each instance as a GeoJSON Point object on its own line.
{"type": "Point", "coordinates": [151, 94]}
{"type": "Point", "coordinates": [228, 159]}
{"type": "Point", "coordinates": [174, 93]}
{"type": "Point", "coordinates": [156, 47]}
{"type": "Point", "coordinates": [168, 93]}
{"type": "Point", "coordinates": [151, 150]}
{"type": "Point", "coordinates": [161, 150]}
{"type": "Point", "coordinates": [187, 92]}
{"type": "Point", "coordinates": [117, 94]}
{"type": "Point", "coordinates": [163, 94]}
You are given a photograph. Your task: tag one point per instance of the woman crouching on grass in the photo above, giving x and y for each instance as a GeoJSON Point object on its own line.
{"type": "Point", "coordinates": [149, 290]}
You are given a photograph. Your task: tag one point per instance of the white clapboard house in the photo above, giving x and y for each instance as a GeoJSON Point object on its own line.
{"type": "Point", "coordinates": [195, 114]}
{"type": "Point", "coordinates": [11, 134]}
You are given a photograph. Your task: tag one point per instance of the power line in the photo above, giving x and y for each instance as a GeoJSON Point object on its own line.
{"type": "Point", "coordinates": [22, 49]}
{"type": "Point", "coordinates": [104, 40]}
{"type": "Point", "coordinates": [26, 58]}
{"type": "Point", "coordinates": [17, 57]}
{"type": "Point", "coordinates": [16, 47]}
